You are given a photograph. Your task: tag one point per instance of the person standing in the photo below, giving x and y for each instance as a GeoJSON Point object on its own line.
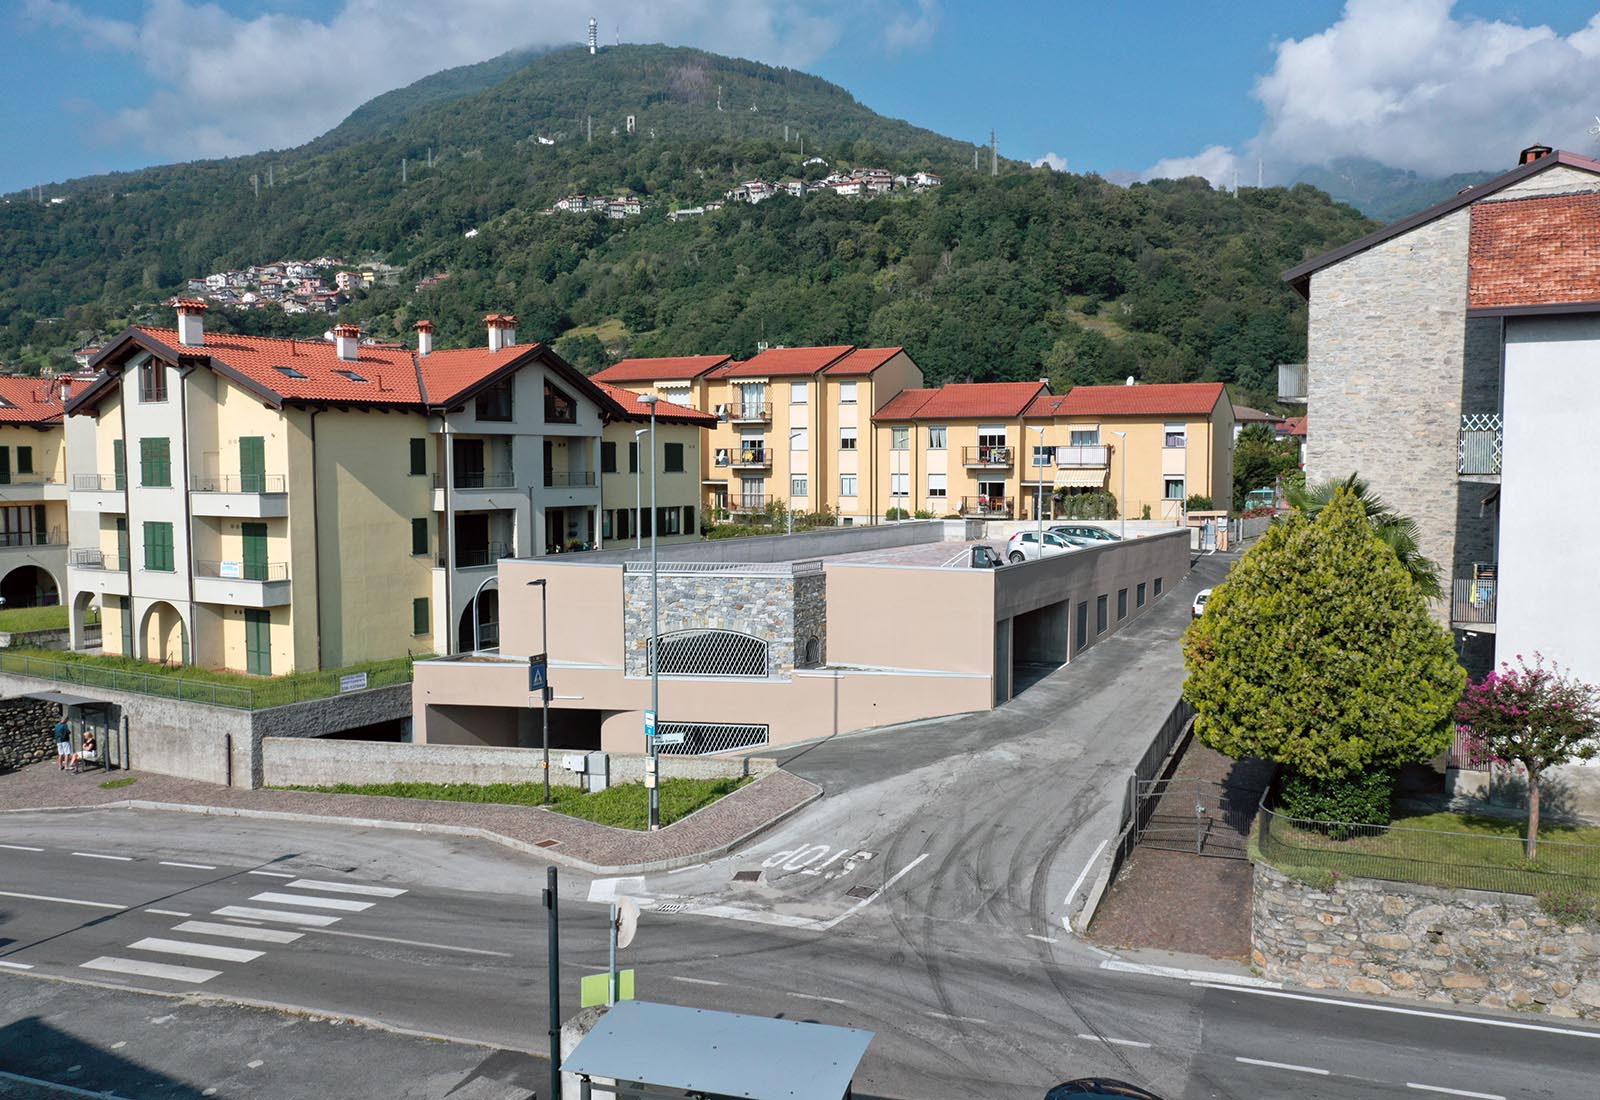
{"type": "Point", "coordinates": [63, 743]}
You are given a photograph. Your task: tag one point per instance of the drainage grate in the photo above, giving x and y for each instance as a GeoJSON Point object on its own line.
{"type": "Point", "coordinates": [545, 843]}
{"type": "Point", "coordinates": [669, 907]}
{"type": "Point", "coordinates": [747, 876]}
{"type": "Point", "coordinates": [861, 891]}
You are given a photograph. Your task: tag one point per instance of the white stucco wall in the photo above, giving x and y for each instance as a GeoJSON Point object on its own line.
{"type": "Point", "coordinates": [1549, 595]}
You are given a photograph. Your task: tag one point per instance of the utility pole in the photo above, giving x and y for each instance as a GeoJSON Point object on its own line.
{"type": "Point", "coordinates": [974, 158]}
{"type": "Point", "coordinates": [590, 137]}
{"type": "Point", "coordinates": [402, 169]}
{"type": "Point", "coordinates": [553, 968]}
{"type": "Point", "coordinates": [269, 177]}
{"type": "Point", "coordinates": [994, 154]}
{"type": "Point", "coordinates": [430, 156]}
{"type": "Point", "coordinates": [655, 632]}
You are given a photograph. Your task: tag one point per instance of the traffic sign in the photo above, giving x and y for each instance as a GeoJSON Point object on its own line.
{"type": "Point", "coordinates": [538, 673]}
{"type": "Point", "coordinates": [649, 725]}
{"type": "Point", "coordinates": [673, 738]}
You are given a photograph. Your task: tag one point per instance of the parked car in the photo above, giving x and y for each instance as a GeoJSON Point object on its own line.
{"type": "Point", "coordinates": [1087, 1088]}
{"type": "Point", "coordinates": [1084, 531]}
{"type": "Point", "coordinates": [1024, 546]}
{"type": "Point", "coordinates": [1200, 600]}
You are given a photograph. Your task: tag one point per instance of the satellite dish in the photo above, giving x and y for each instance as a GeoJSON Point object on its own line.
{"type": "Point", "coordinates": [627, 921]}
{"type": "Point", "coordinates": [1129, 382]}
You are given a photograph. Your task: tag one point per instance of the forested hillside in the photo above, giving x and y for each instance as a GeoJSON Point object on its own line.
{"type": "Point", "coordinates": [1029, 274]}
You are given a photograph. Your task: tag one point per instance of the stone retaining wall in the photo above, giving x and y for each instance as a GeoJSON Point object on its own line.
{"type": "Point", "coordinates": [47, 639]}
{"type": "Point", "coordinates": [25, 732]}
{"type": "Point", "coordinates": [1445, 946]}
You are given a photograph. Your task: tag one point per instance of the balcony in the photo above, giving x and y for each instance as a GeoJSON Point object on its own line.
{"type": "Point", "coordinates": [479, 479]}
{"type": "Point", "coordinates": [99, 493]}
{"type": "Point", "coordinates": [477, 557]}
{"type": "Point", "coordinates": [746, 412]}
{"type": "Point", "coordinates": [236, 496]}
{"type": "Point", "coordinates": [102, 573]}
{"type": "Point", "coordinates": [1085, 457]}
{"type": "Point", "coordinates": [22, 488]}
{"type": "Point", "coordinates": [1473, 599]}
{"type": "Point", "coordinates": [988, 507]}
{"type": "Point", "coordinates": [747, 503]}
{"type": "Point", "coordinates": [29, 540]}
{"type": "Point", "coordinates": [242, 583]}
{"type": "Point", "coordinates": [569, 479]}
{"type": "Point", "coordinates": [751, 458]}
{"type": "Point", "coordinates": [1478, 446]}
{"type": "Point", "coordinates": [1292, 383]}
{"type": "Point", "coordinates": [986, 457]}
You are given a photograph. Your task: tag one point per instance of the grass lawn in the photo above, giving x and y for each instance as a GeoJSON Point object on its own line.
{"type": "Point", "coordinates": [18, 619]}
{"type": "Point", "coordinates": [626, 806]}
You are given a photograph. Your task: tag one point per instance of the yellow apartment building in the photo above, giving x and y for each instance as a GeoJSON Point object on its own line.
{"type": "Point", "coordinates": [271, 506]}
{"type": "Point", "coordinates": [33, 490]}
{"type": "Point", "coordinates": [626, 518]}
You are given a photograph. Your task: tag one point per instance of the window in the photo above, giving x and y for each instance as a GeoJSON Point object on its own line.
{"type": "Point", "coordinates": [937, 438]}
{"type": "Point", "coordinates": [1044, 456]}
{"type": "Point", "coordinates": [799, 486]}
{"type": "Point", "coordinates": [1174, 488]}
{"type": "Point", "coordinates": [672, 458]}
{"type": "Point", "coordinates": [1101, 613]}
{"type": "Point", "coordinates": [667, 521]}
{"type": "Point", "coordinates": [1081, 633]}
{"type": "Point", "coordinates": [608, 458]}
{"type": "Point", "coordinates": [494, 403]}
{"type": "Point", "coordinates": [900, 485]}
{"type": "Point", "coordinates": [419, 615]}
{"type": "Point", "coordinates": [797, 440]}
{"type": "Point", "coordinates": [1175, 436]}
{"type": "Point", "coordinates": [847, 393]}
{"type": "Point", "coordinates": [155, 462]}
{"type": "Point", "coordinates": [847, 485]}
{"type": "Point", "coordinates": [153, 382]}
{"type": "Point", "coordinates": [1158, 586]}
{"type": "Point", "coordinates": [419, 457]}
{"type": "Point", "coordinates": [797, 393]}
{"type": "Point", "coordinates": [688, 519]}
{"type": "Point", "coordinates": [24, 460]}
{"type": "Point", "coordinates": [607, 523]}
{"type": "Point", "coordinates": [350, 374]}
{"type": "Point", "coordinates": [1086, 437]}
{"type": "Point", "coordinates": [847, 439]}
{"type": "Point", "coordinates": [558, 407]}
{"type": "Point", "coordinates": [625, 523]}
{"type": "Point", "coordinates": [899, 439]}
{"type": "Point", "coordinates": [991, 437]}
{"type": "Point", "coordinates": [938, 485]}
{"type": "Point", "coordinates": [633, 457]}
{"type": "Point", "coordinates": [644, 523]}
{"type": "Point", "coordinates": [1122, 604]}
{"type": "Point", "coordinates": [289, 372]}
{"type": "Point", "coordinates": [419, 537]}
{"type": "Point", "coordinates": [1139, 595]}
{"type": "Point", "coordinates": [158, 547]}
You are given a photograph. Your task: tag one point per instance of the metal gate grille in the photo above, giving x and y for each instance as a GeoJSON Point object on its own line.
{"type": "Point", "coordinates": [1202, 816]}
{"type": "Point", "coordinates": [1479, 444]}
{"type": "Point", "coordinates": [711, 653]}
{"type": "Point", "coordinates": [705, 738]}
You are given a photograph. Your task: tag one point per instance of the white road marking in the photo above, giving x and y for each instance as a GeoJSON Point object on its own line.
{"type": "Point", "coordinates": [15, 966]}
{"type": "Point", "coordinates": [1072, 891]}
{"type": "Point", "coordinates": [257, 1064]}
{"type": "Point", "coordinates": [345, 888]}
{"type": "Point", "coordinates": [68, 1089]}
{"type": "Point", "coordinates": [241, 920]}
{"type": "Point", "coordinates": [696, 981]}
{"type": "Point", "coordinates": [884, 889]}
{"type": "Point", "coordinates": [1243, 981]}
{"type": "Point", "coordinates": [756, 916]}
{"type": "Point", "coordinates": [957, 1019]}
{"type": "Point", "coordinates": [413, 943]}
{"type": "Point", "coordinates": [1455, 1092]}
{"type": "Point", "coordinates": [1041, 939]}
{"type": "Point", "coordinates": [97, 855]}
{"type": "Point", "coordinates": [308, 900]}
{"type": "Point", "coordinates": [819, 997]}
{"type": "Point", "coordinates": [1113, 1042]}
{"type": "Point", "coordinates": [191, 866]}
{"type": "Point", "coordinates": [280, 915]}
{"type": "Point", "coordinates": [21, 848]}
{"type": "Point", "coordinates": [191, 974]}
{"type": "Point", "coordinates": [271, 874]}
{"type": "Point", "coordinates": [169, 912]}
{"type": "Point", "coordinates": [1283, 1065]}
{"type": "Point", "coordinates": [198, 950]}
{"type": "Point", "coordinates": [681, 870]}
{"type": "Point", "coordinates": [63, 901]}
{"type": "Point", "coordinates": [233, 931]}
{"type": "Point", "coordinates": [1516, 1025]}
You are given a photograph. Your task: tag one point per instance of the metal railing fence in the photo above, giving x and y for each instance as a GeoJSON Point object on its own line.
{"type": "Point", "coordinates": [480, 479]}
{"type": "Point", "coordinates": [241, 483]}
{"type": "Point", "coordinates": [1474, 599]}
{"type": "Point", "coordinates": [1478, 446]}
{"type": "Point", "coordinates": [242, 570]}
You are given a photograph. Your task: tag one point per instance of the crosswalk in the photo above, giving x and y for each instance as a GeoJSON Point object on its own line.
{"type": "Point", "coordinates": [303, 903]}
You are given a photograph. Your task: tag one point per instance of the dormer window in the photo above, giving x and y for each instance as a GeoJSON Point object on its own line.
{"type": "Point", "coordinates": [350, 374]}
{"type": "Point", "coordinates": [558, 407]}
{"type": "Point", "coordinates": [494, 403]}
{"type": "Point", "coordinates": [288, 372]}
{"type": "Point", "coordinates": [152, 382]}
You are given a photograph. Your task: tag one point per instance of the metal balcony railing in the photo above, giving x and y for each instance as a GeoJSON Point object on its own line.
{"type": "Point", "coordinates": [1085, 456]}
{"type": "Point", "coordinates": [13, 539]}
{"type": "Point", "coordinates": [241, 483]}
{"type": "Point", "coordinates": [98, 483]}
{"type": "Point", "coordinates": [95, 559]}
{"type": "Point", "coordinates": [751, 458]}
{"type": "Point", "coordinates": [475, 557]}
{"type": "Point", "coordinates": [29, 479]}
{"type": "Point", "coordinates": [746, 412]}
{"type": "Point", "coordinates": [242, 570]}
{"type": "Point", "coordinates": [1479, 444]}
{"type": "Point", "coordinates": [1473, 598]}
{"type": "Point", "coordinates": [479, 479]}
{"type": "Point", "coordinates": [985, 455]}
{"type": "Point", "coordinates": [988, 507]}
{"type": "Point", "coordinates": [747, 502]}
{"type": "Point", "coordinates": [568, 479]}
{"type": "Point", "coordinates": [1292, 382]}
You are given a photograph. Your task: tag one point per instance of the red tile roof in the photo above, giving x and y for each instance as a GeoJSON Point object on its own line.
{"type": "Point", "coordinates": [447, 373]}
{"type": "Point", "coordinates": [779, 362]}
{"type": "Point", "coordinates": [1246, 415]}
{"type": "Point", "coordinates": [962, 401]}
{"type": "Point", "coordinates": [863, 361]}
{"type": "Point", "coordinates": [31, 401]}
{"type": "Point", "coordinates": [1295, 425]}
{"type": "Point", "coordinates": [391, 375]}
{"type": "Point", "coordinates": [1535, 252]}
{"type": "Point", "coordinates": [667, 411]}
{"type": "Point", "coordinates": [669, 368]}
{"type": "Point", "coordinates": [1177, 399]}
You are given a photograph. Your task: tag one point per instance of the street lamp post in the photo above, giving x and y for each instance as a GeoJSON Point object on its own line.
{"type": "Point", "coordinates": [1122, 501]}
{"type": "Point", "coordinates": [655, 631]}
{"type": "Point", "coordinates": [1038, 489]}
{"type": "Point", "coordinates": [544, 696]}
{"type": "Point", "coordinates": [638, 480]}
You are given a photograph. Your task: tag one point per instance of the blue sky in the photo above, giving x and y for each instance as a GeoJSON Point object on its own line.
{"type": "Point", "coordinates": [1149, 87]}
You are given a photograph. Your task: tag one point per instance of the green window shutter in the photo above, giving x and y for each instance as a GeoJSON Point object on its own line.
{"type": "Point", "coordinates": [24, 460]}
{"type": "Point", "coordinates": [419, 537]}
{"type": "Point", "coordinates": [419, 615]}
{"type": "Point", "coordinates": [155, 462]}
{"type": "Point", "coordinates": [252, 464]}
{"type": "Point", "coordinates": [419, 457]}
{"type": "Point", "coordinates": [672, 458]}
{"type": "Point", "coordinates": [158, 547]}
{"type": "Point", "coordinates": [119, 463]}
{"type": "Point", "coordinates": [608, 458]}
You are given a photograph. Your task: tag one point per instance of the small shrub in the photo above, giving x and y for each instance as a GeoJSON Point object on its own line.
{"type": "Point", "coordinates": [1570, 905]}
{"type": "Point", "coordinates": [923, 513]}
{"type": "Point", "coordinates": [1098, 504]}
{"type": "Point", "coordinates": [896, 513]}
{"type": "Point", "coordinates": [1363, 798]}
{"type": "Point", "coordinates": [1318, 878]}
{"type": "Point", "coordinates": [1260, 510]}
{"type": "Point", "coordinates": [1198, 502]}
{"type": "Point", "coordinates": [1146, 513]}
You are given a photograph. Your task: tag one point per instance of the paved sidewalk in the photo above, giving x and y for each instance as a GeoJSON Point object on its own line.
{"type": "Point", "coordinates": [569, 841]}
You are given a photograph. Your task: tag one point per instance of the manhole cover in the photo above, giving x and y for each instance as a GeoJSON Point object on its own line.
{"type": "Point", "coordinates": [669, 907]}
{"type": "Point", "coordinates": [860, 892]}
{"type": "Point", "coordinates": [747, 876]}
{"type": "Point", "coordinates": [546, 843]}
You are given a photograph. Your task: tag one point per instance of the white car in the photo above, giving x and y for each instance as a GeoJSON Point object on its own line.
{"type": "Point", "coordinates": [1024, 546]}
{"type": "Point", "coordinates": [1200, 600]}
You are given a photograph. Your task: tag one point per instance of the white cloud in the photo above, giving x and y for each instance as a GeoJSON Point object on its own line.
{"type": "Point", "coordinates": [912, 30]}
{"type": "Point", "coordinates": [1054, 161]}
{"type": "Point", "coordinates": [1217, 163]}
{"type": "Point", "coordinates": [227, 85]}
{"type": "Point", "coordinates": [1413, 85]}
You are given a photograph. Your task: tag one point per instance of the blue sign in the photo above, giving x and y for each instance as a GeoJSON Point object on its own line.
{"type": "Point", "coordinates": [538, 679]}
{"type": "Point", "coordinates": [649, 724]}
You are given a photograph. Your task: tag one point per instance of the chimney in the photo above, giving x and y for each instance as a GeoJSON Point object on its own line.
{"type": "Point", "coordinates": [424, 337]}
{"type": "Point", "coordinates": [1533, 153]}
{"type": "Point", "coordinates": [502, 330]}
{"type": "Point", "coordinates": [191, 322]}
{"type": "Point", "coordinates": [347, 338]}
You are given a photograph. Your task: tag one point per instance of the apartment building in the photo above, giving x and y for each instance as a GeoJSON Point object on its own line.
{"type": "Point", "coordinates": [278, 505]}
{"type": "Point", "coordinates": [625, 466]}
{"type": "Point", "coordinates": [33, 490]}
{"type": "Point", "coordinates": [793, 425]}
{"type": "Point", "coordinates": [1451, 366]}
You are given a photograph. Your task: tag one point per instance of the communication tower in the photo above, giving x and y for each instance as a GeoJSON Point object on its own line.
{"type": "Point", "coordinates": [594, 36]}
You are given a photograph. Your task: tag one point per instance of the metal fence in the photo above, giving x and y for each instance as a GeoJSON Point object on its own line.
{"type": "Point", "coordinates": [241, 483]}
{"type": "Point", "coordinates": [707, 738]}
{"type": "Point", "coordinates": [1460, 860]}
{"type": "Point", "coordinates": [269, 693]}
{"type": "Point", "coordinates": [1475, 599]}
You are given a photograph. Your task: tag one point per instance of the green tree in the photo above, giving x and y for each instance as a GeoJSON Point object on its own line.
{"type": "Point", "coordinates": [1398, 532]}
{"type": "Point", "coordinates": [1533, 716]}
{"type": "Point", "coordinates": [1318, 652]}
{"type": "Point", "coordinates": [1258, 458]}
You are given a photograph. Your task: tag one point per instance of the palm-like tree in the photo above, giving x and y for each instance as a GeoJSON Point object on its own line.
{"type": "Point", "coordinates": [1397, 531]}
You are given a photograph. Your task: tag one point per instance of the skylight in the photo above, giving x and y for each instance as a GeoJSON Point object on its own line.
{"type": "Point", "coordinates": [288, 372]}
{"type": "Point", "coordinates": [4, 404]}
{"type": "Point", "coordinates": [350, 374]}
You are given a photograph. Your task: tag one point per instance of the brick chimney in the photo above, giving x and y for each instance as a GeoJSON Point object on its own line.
{"type": "Point", "coordinates": [1533, 153]}
{"type": "Point", "coordinates": [347, 338]}
{"type": "Point", "coordinates": [502, 330]}
{"type": "Point", "coordinates": [191, 322]}
{"type": "Point", "coordinates": [424, 337]}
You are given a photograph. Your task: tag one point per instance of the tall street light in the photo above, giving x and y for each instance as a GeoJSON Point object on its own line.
{"type": "Point", "coordinates": [655, 632]}
{"type": "Point", "coordinates": [1122, 502]}
{"type": "Point", "coordinates": [638, 480]}
{"type": "Point", "coordinates": [1038, 489]}
{"type": "Point", "coordinates": [544, 695]}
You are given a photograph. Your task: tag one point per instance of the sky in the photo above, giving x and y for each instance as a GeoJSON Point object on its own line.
{"type": "Point", "coordinates": [1133, 89]}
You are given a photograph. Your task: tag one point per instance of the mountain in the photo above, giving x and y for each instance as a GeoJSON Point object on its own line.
{"type": "Point", "coordinates": [1383, 193]}
{"type": "Point", "coordinates": [1027, 273]}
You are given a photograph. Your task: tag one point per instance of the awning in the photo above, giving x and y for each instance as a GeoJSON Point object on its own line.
{"type": "Point", "coordinates": [1080, 479]}
{"type": "Point", "coordinates": [720, 1053]}
{"type": "Point", "coordinates": [65, 700]}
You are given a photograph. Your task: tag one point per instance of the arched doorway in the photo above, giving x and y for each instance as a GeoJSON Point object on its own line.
{"type": "Point", "coordinates": [166, 638]}
{"type": "Point", "coordinates": [29, 586]}
{"type": "Point", "coordinates": [488, 623]}
{"type": "Point", "coordinates": [78, 618]}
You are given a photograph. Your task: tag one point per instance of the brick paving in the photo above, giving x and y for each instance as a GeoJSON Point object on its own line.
{"type": "Point", "coordinates": [579, 843]}
{"type": "Point", "coordinates": [1178, 901]}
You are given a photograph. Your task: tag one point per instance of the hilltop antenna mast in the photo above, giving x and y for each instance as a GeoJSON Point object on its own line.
{"type": "Point", "coordinates": [430, 156]}
{"type": "Point", "coordinates": [974, 158]}
{"type": "Point", "coordinates": [994, 154]}
{"type": "Point", "coordinates": [403, 177]}
{"type": "Point", "coordinates": [269, 177]}
{"type": "Point", "coordinates": [594, 37]}
{"type": "Point", "coordinates": [1259, 184]}
{"type": "Point", "coordinates": [719, 97]}
{"type": "Point", "coordinates": [590, 132]}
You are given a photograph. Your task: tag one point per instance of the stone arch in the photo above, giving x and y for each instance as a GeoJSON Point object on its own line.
{"type": "Point", "coordinates": [30, 585]}
{"type": "Point", "coordinates": [488, 603]}
{"type": "Point", "coordinates": [77, 616]}
{"type": "Point", "coordinates": [163, 634]}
